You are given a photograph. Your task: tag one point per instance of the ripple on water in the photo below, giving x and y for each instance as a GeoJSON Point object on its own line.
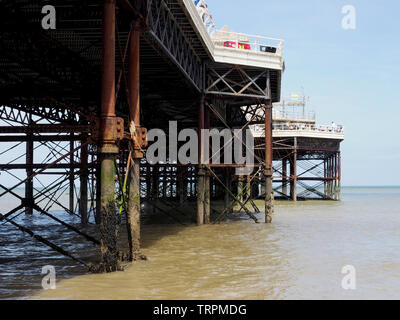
{"type": "Point", "coordinates": [299, 256]}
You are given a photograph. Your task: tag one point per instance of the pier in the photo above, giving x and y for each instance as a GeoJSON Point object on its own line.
{"type": "Point", "coordinates": [306, 154]}
{"type": "Point", "coordinates": [77, 104]}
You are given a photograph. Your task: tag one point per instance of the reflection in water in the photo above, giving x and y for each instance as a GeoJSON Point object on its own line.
{"type": "Point", "coordinates": [299, 256]}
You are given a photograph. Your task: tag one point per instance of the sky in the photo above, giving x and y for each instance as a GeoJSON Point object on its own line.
{"type": "Point", "coordinates": [351, 76]}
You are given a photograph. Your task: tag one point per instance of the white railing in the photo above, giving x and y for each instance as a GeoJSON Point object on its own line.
{"type": "Point", "coordinates": [258, 130]}
{"type": "Point", "coordinates": [241, 41]}
{"type": "Point", "coordinates": [305, 127]}
{"type": "Point", "coordinates": [237, 41]}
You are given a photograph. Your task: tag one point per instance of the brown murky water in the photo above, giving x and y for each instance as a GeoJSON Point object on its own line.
{"type": "Point", "coordinates": [299, 256]}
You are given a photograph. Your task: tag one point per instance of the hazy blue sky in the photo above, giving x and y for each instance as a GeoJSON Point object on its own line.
{"type": "Point", "coordinates": [352, 76]}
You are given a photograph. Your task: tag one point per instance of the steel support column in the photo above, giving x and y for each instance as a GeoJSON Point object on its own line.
{"type": "Point", "coordinates": [83, 200]}
{"type": "Point", "coordinates": [29, 172]}
{"type": "Point", "coordinates": [207, 198]}
{"type": "Point", "coordinates": [284, 176]}
{"type": "Point", "coordinates": [269, 205]}
{"type": "Point", "coordinates": [293, 172]}
{"type": "Point", "coordinates": [335, 176]}
{"type": "Point", "coordinates": [108, 149]}
{"type": "Point", "coordinates": [133, 214]}
{"type": "Point", "coordinates": [339, 176]}
{"type": "Point", "coordinates": [330, 175]}
{"type": "Point", "coordinates": [200, 196]}
{"type": "Point", "coordinates": [325, 175]}
{"type": "Point", "coordinates": [201, 184]}
{"type": "Point", "coordinates": [207, 178]}
{"type": "Point", "coordinates": [71, 175]}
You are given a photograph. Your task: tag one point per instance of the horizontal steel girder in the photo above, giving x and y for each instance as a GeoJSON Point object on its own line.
{"type": "Point", "coordinates": [46, 128]}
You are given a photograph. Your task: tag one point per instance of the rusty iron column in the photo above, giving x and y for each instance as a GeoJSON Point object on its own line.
{"type": "Point", "coordinates": [269, 203]}
{"type": "Point", "coordinates": [83, 201]}
{"type": "Point", "coordinates": [200, 197]}
{"type": "Point", "coordinates": [108, 148]}
{"type": "Point", "coordinates": [133, 214]}
{"type": "Point", "coordinates": [201, 172]}
{"type": "Point", "coordinates": [339, 176]}
{"type": "Point", "coordinates": [29, 171]}
{"type": "Point", "coordinates": [336, 175]}
{"type": "Point", "coordinates": [325, 175]}
{"type": "Point", "coordinates": [207, 178]}
{"type": "Point", "coordinates": [293, 172]}
{"type": "Point", "coordinates": [284, 176]}
{"type": "Point", "coordinates": [207, 199]}
{"type": "Point", "coordinates": [71, 175]}
{"type": "Point", "coordinates": [333, 175]}
{"type": "Point", "coordinates": [330, 177]}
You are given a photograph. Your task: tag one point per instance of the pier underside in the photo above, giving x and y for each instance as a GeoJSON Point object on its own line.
{"type": "Point", "coordinates": [307, 169]}
{"type": "Point", "coordinates": [77, 102]}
